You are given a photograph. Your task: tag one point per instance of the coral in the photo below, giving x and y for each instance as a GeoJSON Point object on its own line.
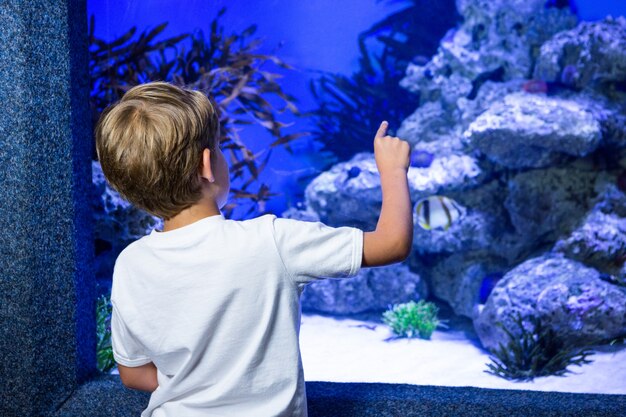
{"type": "Point", "coordinates": [569, 297]}
{"type": "Point", "coordinates": [592, 53]}
{"type": "Point", "coordinates": [357, 202]}
{"type": "Point", "coordinates": [413, 319]}
{"type": "Point", "coordinates": [544, 204]}
{"type": "Point", "coordinates": [600, 242]}
{"type": "Point", "coordinates": [497, 41]}
{"type": "Point", "coordinates": [228, 68]}
{"type": "Point", "coordinates": [533, 130]}
{"type": "Point", "coordinates": [536, 351]}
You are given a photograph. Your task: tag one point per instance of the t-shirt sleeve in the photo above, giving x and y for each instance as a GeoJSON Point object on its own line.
{"type": "Point", "coordinates": [312, 250]}
{"type": "Point", "coordinates": [127, 350]}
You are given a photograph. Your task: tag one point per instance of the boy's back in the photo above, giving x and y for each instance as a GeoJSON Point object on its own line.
{"type": "Point", "coordinates": [215, 306]}
{"type": "Point", "coordinates": [206, 313]}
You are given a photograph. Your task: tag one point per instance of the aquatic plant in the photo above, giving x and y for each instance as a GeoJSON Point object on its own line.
{"type": "Point", "coordinates": [225, 67]}
{"type": "Point", "coordinates": [104, 350]}
{"type": "Point", "coordinates": [413, 319]}
{"type": "Point", "coordinates": [351, 108]}
{"type": "Point", "coordinates": [536, 352]}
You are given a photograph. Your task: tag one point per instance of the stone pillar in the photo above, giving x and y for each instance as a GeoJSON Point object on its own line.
{"type": "Point", "coordinates": [47, 286]}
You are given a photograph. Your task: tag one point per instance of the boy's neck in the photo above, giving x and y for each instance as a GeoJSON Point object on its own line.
{"type": "Point", "coordinates": [204, 208]}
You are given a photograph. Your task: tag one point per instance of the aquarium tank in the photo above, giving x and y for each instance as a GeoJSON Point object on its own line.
{"type": "Point", "coordinates": [515, 111]}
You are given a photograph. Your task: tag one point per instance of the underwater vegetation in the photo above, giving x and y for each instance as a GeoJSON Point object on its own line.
{"type": "Point", "coordinates": [413, 319]}
{"type": "Point", "coordinates": [350, 108]}
{"type": "Point", "coordinates": [104, 350]}
{"type": "Point", "coordinates": [537, 352]}
{"type": "Point", "coordinates": [227, 68]}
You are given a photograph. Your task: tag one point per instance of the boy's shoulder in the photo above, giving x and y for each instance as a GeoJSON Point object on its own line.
{"type": "Point", "coordinates": [264, 223]}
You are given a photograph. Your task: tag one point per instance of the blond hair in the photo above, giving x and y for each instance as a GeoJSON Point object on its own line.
{"type": "Point", "coordinates": [150, 146]}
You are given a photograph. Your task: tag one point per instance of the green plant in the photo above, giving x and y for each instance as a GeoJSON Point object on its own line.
{"type": "Point", "coordinates": [226, 67]}
{"type": "Point", "coordinates": [413, 319]}
{"type": "Point", "coordinates": [104, 350]}
{"type": "Point", "coordinates": [535, 352]}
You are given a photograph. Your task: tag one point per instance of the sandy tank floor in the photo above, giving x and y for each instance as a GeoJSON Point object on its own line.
{"type": "Point", "coordinates": [357, 349]}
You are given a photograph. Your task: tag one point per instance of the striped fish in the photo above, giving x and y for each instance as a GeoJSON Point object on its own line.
{"type": "Point", "coordinates": [437, 212]}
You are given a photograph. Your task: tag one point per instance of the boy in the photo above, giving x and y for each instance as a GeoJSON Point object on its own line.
{"type": "Point", "coordinates": [206, 312]}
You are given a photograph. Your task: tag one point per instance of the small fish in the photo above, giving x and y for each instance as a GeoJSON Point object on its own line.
{"type": "Point", "coordinates": [569, 75]}
{"type": "Point", "coordinates": [535, 87]}
{"type": "Point", "coordinates": [353, 172]}
{"type": "Point", "coordinates": [421, 159]}
{"type": "Point", "coordinates": [437, 212]}
{"type": "Point", "coordinates": [488, 284]}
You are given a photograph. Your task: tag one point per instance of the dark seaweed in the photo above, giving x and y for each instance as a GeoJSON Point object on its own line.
{"type": "Point", "coordinates": [225, 67]}
{"type": "Point", "coordinates": [350, 109]}
{"type": "Point", "coordinates": [537, 352]}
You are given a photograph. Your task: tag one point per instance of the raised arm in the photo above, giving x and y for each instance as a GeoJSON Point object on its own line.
{"type": "Point", "coordinates": [392, 240]}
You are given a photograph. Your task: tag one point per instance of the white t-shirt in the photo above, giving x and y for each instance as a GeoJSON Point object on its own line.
{"type": "Point", "coordinates": [215, 306]}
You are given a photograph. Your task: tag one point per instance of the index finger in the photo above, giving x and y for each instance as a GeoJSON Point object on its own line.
{"type": "Point", "coordinates": [382, 130]}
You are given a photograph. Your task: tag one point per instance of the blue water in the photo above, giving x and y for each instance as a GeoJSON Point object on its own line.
{"type": "Point", "coordinates": [314, 35]}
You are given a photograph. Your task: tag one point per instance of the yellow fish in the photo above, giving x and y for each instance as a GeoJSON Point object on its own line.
{"type": "Point", "coordinates": [437, 212]}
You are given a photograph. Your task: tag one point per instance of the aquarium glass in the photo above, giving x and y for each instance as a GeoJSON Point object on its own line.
{"type": "Point", "coordinates": [515, 113]}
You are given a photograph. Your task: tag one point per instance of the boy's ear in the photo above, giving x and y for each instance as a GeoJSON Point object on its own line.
{"type": "Point", "coordinates": [205, 165]}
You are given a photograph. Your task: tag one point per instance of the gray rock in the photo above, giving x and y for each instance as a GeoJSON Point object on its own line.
{"type": "Point", "coordinates": [547, 203]}
{"type": "Point", "coordinates": [457, 279]}
{"type": "Point", "coordinates": [473, 230]}
{"type": "Point", "coordinates": [609, 112]}
{"type": "Point", "coordinates": [447, 173]}
{"type": "Point", "coordinates": [340, 200]}
{"type": "Point", "coordinates": [431, 124]}
{"type": "Point", "coordinates": [489, 93]}
{"type": "Point", "coordinates": [343, 201]}
{"type": "Point", "coordinates": [592, 52]}
{"type": "Point", "coordinates": [600, 242]}
{"type": "Point", "coordinates": [533, 130]}
{"type": "Point", "coordinates": [371, 289]}
{"type": "Point", "coordinates": [565, 295]}
{"type": "Point", "coordinates": [496, 40]}
{"type": "Point", "coordinates": [484, 226]}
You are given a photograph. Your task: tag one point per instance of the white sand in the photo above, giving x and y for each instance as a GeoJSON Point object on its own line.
{"type": "Point", "coordinates": [351, 350]}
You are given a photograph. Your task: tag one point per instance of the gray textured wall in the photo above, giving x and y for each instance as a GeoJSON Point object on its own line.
{"type": "Point", "coordinates": [47, 318]}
